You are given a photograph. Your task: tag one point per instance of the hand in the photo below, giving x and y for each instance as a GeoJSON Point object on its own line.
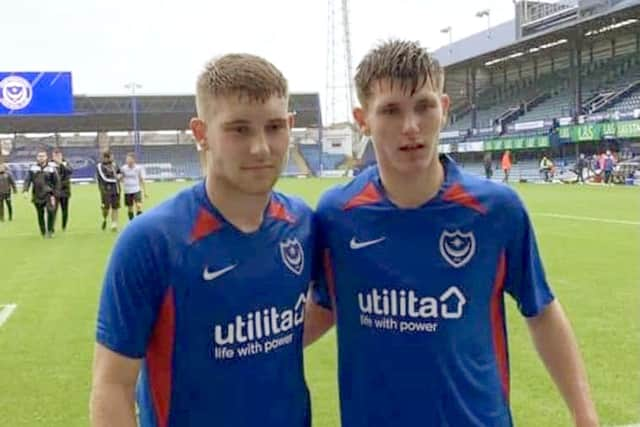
{"type": "Point", "coordinates": [53, 201]}
{"type": "Point", "coordinates": [25, 194]}
{"type": "Point", "coordinates": [146, 195]}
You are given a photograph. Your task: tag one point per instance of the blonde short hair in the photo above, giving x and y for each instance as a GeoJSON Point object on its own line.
{"type": "Point", "coordinates": [240, 74]}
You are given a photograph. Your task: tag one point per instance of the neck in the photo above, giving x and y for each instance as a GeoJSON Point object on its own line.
{"type": "Point", "coordinates": [409, 191]}
{"type": "Point", "coordinates": [244, 211]}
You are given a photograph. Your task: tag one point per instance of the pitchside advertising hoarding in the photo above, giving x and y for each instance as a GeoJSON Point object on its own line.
{"type": "Point", "coordinates": [36, 93]}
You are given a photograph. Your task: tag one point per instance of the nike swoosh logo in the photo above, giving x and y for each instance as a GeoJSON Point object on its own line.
{"type": "Point", "coordinates": [211, 275]}
{"type": "Point", "coordinates": [354, 244]}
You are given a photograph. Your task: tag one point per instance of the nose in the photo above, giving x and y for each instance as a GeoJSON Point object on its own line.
{"type": "Point", "coordinates": [259, 146]}
{"type": "Point", "coordinates": [410, 126]}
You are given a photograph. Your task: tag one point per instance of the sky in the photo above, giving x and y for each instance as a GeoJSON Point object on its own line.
{"type": "Point", "coordinates": [163, 44]}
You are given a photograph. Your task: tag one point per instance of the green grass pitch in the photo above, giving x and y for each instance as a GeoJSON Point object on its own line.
{"type": "Point", "coordinates": [592, 262]}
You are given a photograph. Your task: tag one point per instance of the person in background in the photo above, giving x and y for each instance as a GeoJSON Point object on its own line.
{"type": "Point", "coordinates": [108, 176]}
{"type": "Point", "coordinates": [64, 171]}
{"type": "Point", "coordinates": [608, 164]}
{"type": "Point", "coordinates": [488, 165]}
{"type": "Point", "coordinates": [581, 165]}
{"type": "Point", "coordinates": [545, 168]}
{"type": "Point", "coordinates": [7, 185]}
{"type": "Point", "coordinates": [506, 165]}
{"type": "Point", "coordinates": [134, 185]}
{"type": "Point", "coordinates": [43, 178]}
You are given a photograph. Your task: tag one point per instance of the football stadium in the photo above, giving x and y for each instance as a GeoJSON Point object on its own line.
{"type": "Point", "coordinates": [547, 103]}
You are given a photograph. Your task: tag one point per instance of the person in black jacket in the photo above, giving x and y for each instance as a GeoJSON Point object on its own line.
{"type": "Point", "coordinates": [43, 177]}
{"type": "Point", "coordinates": [64, 172]}
{"type": "Point", "coordinates": [108, 177]}
{"type": "Point", "coordinates": [7, 184]}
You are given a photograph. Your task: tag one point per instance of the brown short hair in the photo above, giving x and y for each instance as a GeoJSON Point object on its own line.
{"type": "Point", "coordinates": [398, 60]}
{"type": "Point", "coordinates": [239, 74]}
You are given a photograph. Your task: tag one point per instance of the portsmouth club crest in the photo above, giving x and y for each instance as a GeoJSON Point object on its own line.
{"type": "Point", "coordinates": [457, 248]}
{"type": "Point", "coordinates": [15, 92]}
{"type": "Point", "coordinates": [292, 255]}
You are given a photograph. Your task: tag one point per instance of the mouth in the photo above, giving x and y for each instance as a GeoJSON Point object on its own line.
{"type": "Point", "coordinates": [411, 147]}
{"type": "Point", "coordinates": [257, 167]}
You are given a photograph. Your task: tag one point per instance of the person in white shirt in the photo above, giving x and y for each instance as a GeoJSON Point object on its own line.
{"type": "Point", "coordinates": [134, 185]}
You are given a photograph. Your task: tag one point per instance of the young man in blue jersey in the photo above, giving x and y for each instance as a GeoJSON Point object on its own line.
{"type": "Point", "coordinates": [204, 295]}
{"type": "Point", "coordinates": [417, 257]}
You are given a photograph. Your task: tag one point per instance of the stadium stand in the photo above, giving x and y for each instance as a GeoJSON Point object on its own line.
{"type": "Point", "coordinates": [311, 154]}
{"type": "Point", "coordinates": [332, 161]}
{"type": "Point", "coordinates": [547, 97]}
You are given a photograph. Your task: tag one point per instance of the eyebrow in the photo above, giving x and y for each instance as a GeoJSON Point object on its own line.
{"type": "Point", "coordinates": [426, 98]}
{"type": "Point", "coordinates": [388, 104]}
{"type": "Point", "coordinates": [277, 121]}
{"type": "Point", "coordinates": [236, 122]}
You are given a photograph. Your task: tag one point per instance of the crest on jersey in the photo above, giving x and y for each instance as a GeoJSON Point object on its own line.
{"type": "Point", "coordinates": [15, 92]}
{"type": "Point", "coordinates": [292, 255]}
{"type": "Point", "coordinates": [457, 248]}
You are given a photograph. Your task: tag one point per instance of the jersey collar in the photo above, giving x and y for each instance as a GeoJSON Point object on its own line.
{"type": "Point", "coordinates": [209, 219]}
{"type": "Point", "coordinates": [374, 192]}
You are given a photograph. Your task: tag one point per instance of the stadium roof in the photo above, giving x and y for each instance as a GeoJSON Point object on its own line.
{"type": "Point", "coordinates": [115, 113]}
{"type": "Point", "coordinates": [480, 48]}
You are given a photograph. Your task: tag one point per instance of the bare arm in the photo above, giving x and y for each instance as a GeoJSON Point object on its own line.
{"type": "Point", "coordinates": [318, 320]}
{"type": "Point", "coordinates": [113, 389]}
{"type": "Point", "coordinates": [557, 347]}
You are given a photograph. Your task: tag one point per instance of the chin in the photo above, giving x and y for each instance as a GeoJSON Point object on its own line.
{"type": "Point", "coordinates": [257, 187]}
{"type": "Point", "coordinates": [414, 166]}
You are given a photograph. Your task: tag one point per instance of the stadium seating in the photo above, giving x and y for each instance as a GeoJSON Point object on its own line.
{"type": "Point", "coordinates": [332, 161]}
{"type": "Point", "coordinates": [311, 153]}
{"type": "Point", "coordinates": [292, 169]}
{"type": "Point", "coordinates": [551, 91]}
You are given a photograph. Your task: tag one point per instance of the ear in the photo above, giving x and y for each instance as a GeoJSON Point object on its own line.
{"type": "Point", "coordinates": [291, 120]}
{"type": "Point", "coordinates": [359, 115]}
{"type": "Point", "coordinates": [199, 130]}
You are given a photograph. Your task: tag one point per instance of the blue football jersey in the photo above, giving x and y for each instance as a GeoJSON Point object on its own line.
{"type": "Point", "coordinates": [418, 295]}
{"type": "Point", "coordinates": [216, 314]}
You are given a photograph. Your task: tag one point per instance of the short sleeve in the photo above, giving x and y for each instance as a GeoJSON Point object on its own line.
{"type": "Point", "coordinates": [525, 278]}
{"type": "Point", "coordinates": [132, 292]}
